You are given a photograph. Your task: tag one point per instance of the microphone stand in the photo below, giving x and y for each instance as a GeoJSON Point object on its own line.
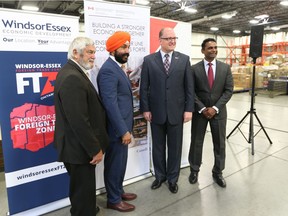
{"type": "Point", "coordinates": [251, 112]}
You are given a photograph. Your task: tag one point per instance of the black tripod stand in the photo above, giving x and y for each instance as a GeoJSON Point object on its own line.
{"type": "Point", "coordinates": [252, 112]}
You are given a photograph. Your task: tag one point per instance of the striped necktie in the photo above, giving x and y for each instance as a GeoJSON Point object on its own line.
{"type": "Point", "coordinates": [166, 63]}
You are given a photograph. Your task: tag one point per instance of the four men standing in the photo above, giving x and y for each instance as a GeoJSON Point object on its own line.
{"type": "Point", "coordinates": [169, 91]}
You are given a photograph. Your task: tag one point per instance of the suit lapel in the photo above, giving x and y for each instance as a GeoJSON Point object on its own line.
{"type": "Point", "coordinates": [159, 62]}
{"type": "Point", "coordinates": [216, 76]}
{"type": "Point", "coordinates": [217, 73]}
{"type": "Point", "coordinates": [85, 77]}
{"type": "Point", "coordinates": [93, 75]}
{"type": "Point", "coordinates": [174, 62]}
{"type": "Point", "coordinates": [80, 71]}
{"type": "Point", "coordinates": [203, 74]}
{"type": "Point", "coordinates": [77, 67]}
{"type": "Point", "coordinates": [120, 72]}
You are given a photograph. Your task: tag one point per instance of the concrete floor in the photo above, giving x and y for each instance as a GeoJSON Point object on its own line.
{"type": "Point", "coordinates": [256, 184]}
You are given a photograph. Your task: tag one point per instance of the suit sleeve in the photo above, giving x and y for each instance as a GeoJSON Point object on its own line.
{"type": "Point", "coordinates": [189, 88]}
{"type": "Point", "coordinates": [74, 100]}
{"type": "Point", "coordinates": [144, 87]}
{"type": "Point", "coordinates": [227, 89]}
{"type": "Point", "coordinates": [108, 82]}
{"type": "Point", "coordinates": [198, 103]}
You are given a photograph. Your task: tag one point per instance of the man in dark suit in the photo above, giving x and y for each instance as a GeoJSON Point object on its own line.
{"type": "Point", "coordinates": [80, 131]}
{"type": "Point", "coordinates": [167, 100]}
{"type": "Point", "coordinates": [116, 93]}
{"type": "Point", "coordinates": [213, 89]}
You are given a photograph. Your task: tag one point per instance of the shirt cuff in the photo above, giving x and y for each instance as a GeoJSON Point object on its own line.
{"type": "Point", "coordinates": [200, 111]}
{"type": "Point", "coordinates": [217, 110]}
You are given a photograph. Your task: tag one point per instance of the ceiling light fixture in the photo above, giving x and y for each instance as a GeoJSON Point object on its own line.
{"type": "Point", "coordinates": [190, 10]}
{"type": "Point", "coordinates": [263, 16]}
{"type": "Point", "coordinates": [226, 16]}
{"type": "Point", "coordinates": [185, 8]}
{"type": "Point", "coordinates": [142, 2]}
{"type": "Point", "coordinates": [214, 29]}
{"type": "Point", "coordinates": [284, 3]}
{"type": "Point", "coordinates": [254, 21]}
{"type": "Point", "coordinates": [236, 31]}
{"type": "Point", "coordinates": [207, 18]}
{"type": "Point", "coordinates": [229, 15]}
{"type": "Point", "coordinates": [275, 28]}
{"type": "Point", "coordinates": [263, 19]}
{"type": "Point", "coordinates": [29, 8]}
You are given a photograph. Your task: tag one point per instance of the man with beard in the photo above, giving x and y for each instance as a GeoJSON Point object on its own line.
{"type": "Point", "coordinates": [80, 129]}
{"type": "Point", "coordinates": [116, 93]}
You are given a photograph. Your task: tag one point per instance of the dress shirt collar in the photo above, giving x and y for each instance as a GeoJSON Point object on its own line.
{"type": "Point", "coordinates": [206, 66]}
{"type": "Point", "coordinates": [206, 63]}
{"type": "Point", "coordinates": [163, 55]}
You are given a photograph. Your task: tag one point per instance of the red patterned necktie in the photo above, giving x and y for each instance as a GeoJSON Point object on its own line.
{"type": "Point", "coordinates": [210, 75]}
{"type": "Point", "coordinates": [166, 62]}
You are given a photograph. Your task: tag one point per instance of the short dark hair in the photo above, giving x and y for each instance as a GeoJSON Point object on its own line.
{"type": "Point", "coordinates": [206, 41]}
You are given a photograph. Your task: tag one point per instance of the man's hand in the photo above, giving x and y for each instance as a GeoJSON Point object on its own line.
{"type": "Point", "coordinates": [209, 112]}
{"type": "Point", "coordinates": [147, 116]}
{"type": "Point", "coordinates": [126, 138]}
{"type": "Point", "coordinates": [97, 158]}
{"type": "Point", "coordinates": [187, 116]}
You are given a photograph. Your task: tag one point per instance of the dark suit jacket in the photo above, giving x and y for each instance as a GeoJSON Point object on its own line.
{"type": "Point", "coordinates": [167, 95]}
{"type": "Point", "coordinates": [80, 130]}
{"type": "Point", "coordinates": [222, 88]}
{"type": "Point", "coordinates": [116, 93]}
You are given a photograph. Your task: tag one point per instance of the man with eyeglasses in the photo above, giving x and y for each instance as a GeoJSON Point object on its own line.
{"type": "Point", "coordinates": [167, 101]}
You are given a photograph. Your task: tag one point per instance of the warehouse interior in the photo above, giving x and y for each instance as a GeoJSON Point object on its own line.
{"type": "Point", "coordinates": [201, 14]}
{"type": "Point", "coordinates": [255, 182]}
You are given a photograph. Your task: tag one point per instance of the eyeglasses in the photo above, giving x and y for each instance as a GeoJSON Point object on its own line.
{"type": "Point", "coordinates": [170, 39]}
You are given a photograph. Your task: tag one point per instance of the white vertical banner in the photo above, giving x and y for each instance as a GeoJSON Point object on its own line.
{"type": "Point", "coordinates": [102, 19]}
{"type": "Point", "coordinates": [33, 48]}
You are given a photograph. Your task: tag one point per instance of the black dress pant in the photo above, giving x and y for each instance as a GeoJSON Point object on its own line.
{"type": "Point", "coordinates": [198, 132]}
{"type": "Point", "coordinates": [173, 134]}
{"type": "Point", "coordinates": [82, 191]}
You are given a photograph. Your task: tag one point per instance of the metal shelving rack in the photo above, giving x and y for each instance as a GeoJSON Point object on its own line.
{"type": "Point", "coordinates": [272, 86]}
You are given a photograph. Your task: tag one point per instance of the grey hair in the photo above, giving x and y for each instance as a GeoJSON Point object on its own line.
{"type": "Point", "coordinates": [79, 43]}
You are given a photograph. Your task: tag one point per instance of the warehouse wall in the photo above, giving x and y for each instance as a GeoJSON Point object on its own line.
{"type": "Point", "coordinates": [222, 43]}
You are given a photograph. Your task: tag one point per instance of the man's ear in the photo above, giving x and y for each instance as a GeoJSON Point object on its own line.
{"type": "Point", "coordinates": [112, 53]}
{"type": "Point", "coordinates": [75, 53]}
